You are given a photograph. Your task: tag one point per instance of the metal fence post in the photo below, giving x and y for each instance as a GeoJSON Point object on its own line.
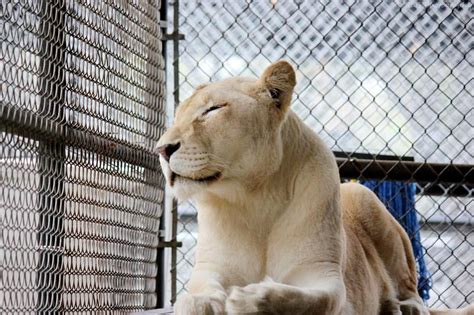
{"type": "Point", "coordinates": [160, 259]}
{"type": "Point", "coordinates": [173, 244]}
{"type": "Point", "coordinates": [176, 102]}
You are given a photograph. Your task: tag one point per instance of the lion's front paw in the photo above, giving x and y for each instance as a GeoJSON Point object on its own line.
{"type": "Point", "coordinates": [413, 306]}
{"type": "Point", "coordinates": [250, 299]}
{"type": "Point", "coordinates": [200, 304]}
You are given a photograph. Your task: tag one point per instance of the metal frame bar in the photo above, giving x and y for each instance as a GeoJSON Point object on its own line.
{"type": "Point", "coordinates": [174, 212]}
{"type": "Point", "coordinates": [173, 244]}
{"type": "Point", "coordinates": [406, 171]}
{"type": "Point", "coordinates": [431, 189]}
{"type": "Point", "coordinates": [28, 124]}
{"type": "Point", "coordinates": [160, 258]}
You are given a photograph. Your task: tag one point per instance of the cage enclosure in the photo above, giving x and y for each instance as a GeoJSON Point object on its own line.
{"type": "Point", "coordinates": [88, 87]}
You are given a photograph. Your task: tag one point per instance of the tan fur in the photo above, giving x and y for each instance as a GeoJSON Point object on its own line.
{"type": "Point", "coordinates": [277, 232]}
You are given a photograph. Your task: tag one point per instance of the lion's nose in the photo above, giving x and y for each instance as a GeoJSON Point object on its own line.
{"type": "Point", "coordinates": [168, 149]}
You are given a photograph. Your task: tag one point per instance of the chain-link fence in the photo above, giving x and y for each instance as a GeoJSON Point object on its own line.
{"type": "Point", "coordinates": [81, 104]}
{"type": "Point", "coordinates": [390, 81]}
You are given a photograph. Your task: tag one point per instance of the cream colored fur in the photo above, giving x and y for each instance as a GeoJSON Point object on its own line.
{"type": "Point", "coordinates": [278, 234]}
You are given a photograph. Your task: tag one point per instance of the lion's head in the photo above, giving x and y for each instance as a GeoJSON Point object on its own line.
{"type": "Point", "coordinates": [227, 133]}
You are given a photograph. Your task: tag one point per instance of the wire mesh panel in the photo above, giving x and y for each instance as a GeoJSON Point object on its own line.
{"type": "Point", "coordinates": [389, 78]}
{"type": "Point", "coordinates": [81, 105]}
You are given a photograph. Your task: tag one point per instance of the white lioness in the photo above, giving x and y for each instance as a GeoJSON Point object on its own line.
{"type": "Point", "coordinates": [278, 233]}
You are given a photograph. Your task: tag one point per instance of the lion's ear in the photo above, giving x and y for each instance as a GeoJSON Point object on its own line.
{"type": "Point", "coordinates": [279, 79]}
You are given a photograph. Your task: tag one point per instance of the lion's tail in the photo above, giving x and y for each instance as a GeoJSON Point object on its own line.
{"type": "Point", "coordinates": [468, 310]}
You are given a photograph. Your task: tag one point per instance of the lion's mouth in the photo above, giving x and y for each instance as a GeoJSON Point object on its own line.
{"type": "Point", "coordinates": [208, 179]}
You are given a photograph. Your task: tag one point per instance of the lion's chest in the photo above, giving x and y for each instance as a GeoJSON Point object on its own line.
{"type": "Point", "coordinates": [252, 241]}
{"type": "Point", "coordinates": [269, 247]}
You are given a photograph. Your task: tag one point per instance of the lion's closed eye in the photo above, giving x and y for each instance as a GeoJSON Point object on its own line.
{"type": "Point", "coordinates": [213, 108]}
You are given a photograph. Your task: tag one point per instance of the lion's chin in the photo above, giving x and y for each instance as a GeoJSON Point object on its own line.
{"type": "Point", "coordinates": [184, 188]}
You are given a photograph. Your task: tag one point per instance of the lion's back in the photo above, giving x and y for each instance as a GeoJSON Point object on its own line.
{"type": "Point", "coordinates": [382, 237]}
